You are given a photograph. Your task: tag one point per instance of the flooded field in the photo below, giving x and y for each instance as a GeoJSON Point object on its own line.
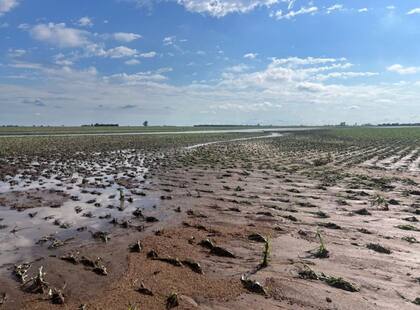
{"type": "Point", "coordinates": [313, 219]}
{"type": "Point", "coordinates": [51, 203]}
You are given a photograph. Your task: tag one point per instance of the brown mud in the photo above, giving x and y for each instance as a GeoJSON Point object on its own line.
{"type": "Point", "coordinates": [217, 206]}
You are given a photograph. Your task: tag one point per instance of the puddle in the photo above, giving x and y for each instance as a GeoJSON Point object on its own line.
{"type": "Point", "coordinates": [92, 187]}
{"type": "Point", "coordinates": [88, 195]}
{"type": "Point", "coordinates": [271, 135]}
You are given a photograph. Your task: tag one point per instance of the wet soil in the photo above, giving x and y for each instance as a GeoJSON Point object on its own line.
{"type": "Point", "coordinates": [224, 194]}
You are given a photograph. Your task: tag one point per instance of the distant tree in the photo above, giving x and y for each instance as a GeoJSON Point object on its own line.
{"type": "Point", "coordinates": [145, 123]}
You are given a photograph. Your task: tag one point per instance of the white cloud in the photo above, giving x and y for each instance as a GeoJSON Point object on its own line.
{"type": "Point", "coordinates": [414, 11]}
{"type": "Point", "coordinates": [291, 14]}
{"type": "Point", "coordinates": [220, 8]}
{"type": "Point", "coordinates": [120, 52]}
{"type": "Point", "coordinates": [126, 36]}
{"type": "Point", "coordinates": [136, 78]}
{"type": "Point", "coordinates": [124, 51]}
{"type": "Point", "coordinates": [251, 55]}
{"type": "Point", "coordinates": [345, 75]}
{"type": "Point", "coordinates": [296, 61]}
{"type": "Point", "coordinates": [60, 59]}
{"type": "Point", "coordinates": [85, 22]}
{"type": "Point", "coordinates": [59, 35]}
{"type": "Point", "coordinates": [310, 87]}
{"type": "Point", "coordinates": [148, 55]}
{"type": "Point", "coordinates": [363, 10]}
{"type": "Point", "coordinates": [16, 53]}
{"type": "Point", "coordinates": [390, 7]}
{"type": "Point", "coordinates": [169, 40]}
{"type": "Point", "coordinates": [292, 72]}
{"type": "Point", "coordinates": [132, 62]}
{"type": "Point", "coordinates": [397, 68]}
{"type": "Point", "coordinates": [217, 8]}
{"type": "Point", "coordinates": [335, 7]}
{"type": "Point", "coordinates": [65, 37]}
{"type": "Point", "coordinates": [7, 5]}
{"type": "Point", "coordinates": [296, 85]}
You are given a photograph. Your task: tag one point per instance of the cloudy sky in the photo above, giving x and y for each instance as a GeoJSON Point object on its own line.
{"type": "Point", "coordinates": [184, 62]}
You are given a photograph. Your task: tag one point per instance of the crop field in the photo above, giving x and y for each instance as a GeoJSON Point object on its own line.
{"type": "Point", "coordinates": [316, 219]}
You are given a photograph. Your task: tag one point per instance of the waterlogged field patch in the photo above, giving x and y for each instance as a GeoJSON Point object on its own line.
{"type": "Point", "coordinates": [315, 219]}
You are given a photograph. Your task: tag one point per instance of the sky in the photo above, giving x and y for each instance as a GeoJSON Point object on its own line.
{"type": "Point", "coordinates": [185, 62]}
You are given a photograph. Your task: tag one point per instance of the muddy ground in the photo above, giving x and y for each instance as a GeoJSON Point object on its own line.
{"type": "Point", "coordinates": [339, 231]}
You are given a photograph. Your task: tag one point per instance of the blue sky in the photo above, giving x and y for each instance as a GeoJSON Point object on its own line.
{"type": "Point", "coordinates": [183, 62]}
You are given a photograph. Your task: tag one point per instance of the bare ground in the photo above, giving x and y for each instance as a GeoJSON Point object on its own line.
{"type": "Point", "coordinates": [225, 194]}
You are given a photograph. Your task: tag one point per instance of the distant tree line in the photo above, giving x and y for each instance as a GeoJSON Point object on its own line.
{"type": "Point", "coordinates": [398, 124]}
{"type": "Point", "coordinates": [101, 125]}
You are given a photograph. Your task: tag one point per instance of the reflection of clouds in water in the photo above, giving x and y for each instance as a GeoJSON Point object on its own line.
{"type": "Point", "coordinates": [271, 135]}
{"type": "Point", "coordinates": [29, 230]}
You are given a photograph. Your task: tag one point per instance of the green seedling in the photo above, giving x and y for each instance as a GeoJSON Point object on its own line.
{"type": "Point", "coordinates": [322, 251]}
{"type": "Point", "coordinates": [266, 253]}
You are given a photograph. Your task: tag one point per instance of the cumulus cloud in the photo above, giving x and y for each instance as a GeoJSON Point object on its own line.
{"type": "Point", "coordinates": [397, 68]}
{"type": "Point", "coordinates": [120, 52]}
{"type": "Point", "coordinates": [85, 22]}
{"type": "Point", "coordinates": [292, 73]}
{"type": "Point", "coordinates": [294, 85]}
{"type": "Point", "coordinates": [7, 5]}
{"type": "Point", "coordinates": [217, 8]}
{"type": "Point", "coordinates": [310, 87]}
{"type": "Point", "coordinates": [251, 55]}
{"type": "Point", "coordinates": [59, 35]}
{"type": "Point", "coordinates": [169, 40]}
{"type": "Point", "coordinates": [126, 36]}
{"type": "Point", "coordinates": [220, 8]}
{"type": "Point", "coordinates": [66, 37]}
{"type": "Point", "coordinates": [363, 10]}
{"type": "Point", "coordinates": [61, 60]}
{"type": "Point", "coordinates": [132, 62]}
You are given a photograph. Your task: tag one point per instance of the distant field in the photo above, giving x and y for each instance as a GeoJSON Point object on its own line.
{"type": "Point", "coordinates": [107, 130]}
{"type": "Point", "coordinates": [377, 133]}
{"type": "Point", "coordinates": [46, 145]}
